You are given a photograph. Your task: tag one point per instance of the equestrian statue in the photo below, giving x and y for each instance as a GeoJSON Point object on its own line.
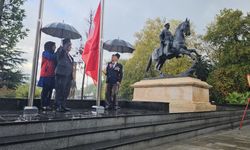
{"type": "Point", "coordinates": [173, 47]}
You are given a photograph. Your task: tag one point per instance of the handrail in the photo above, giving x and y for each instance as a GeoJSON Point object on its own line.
{"type": "Point", "coordinates": [244, 114]}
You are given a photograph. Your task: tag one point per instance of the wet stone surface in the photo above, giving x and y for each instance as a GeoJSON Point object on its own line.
{"type": "Point", "coordinates": [223, 140]}
{"type": "Point", "coordinates": [16, 116]}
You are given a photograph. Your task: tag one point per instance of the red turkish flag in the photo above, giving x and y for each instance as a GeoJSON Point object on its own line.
{"type": "Point", "coordinates": [91, 49]}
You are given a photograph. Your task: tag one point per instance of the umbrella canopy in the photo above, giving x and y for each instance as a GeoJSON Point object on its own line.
{"type": "Point", "coordinates": [61, 30]}
{"type": "Point", "coordinates": [118, 45]}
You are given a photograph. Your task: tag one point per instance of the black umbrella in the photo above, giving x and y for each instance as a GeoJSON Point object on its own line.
{"type": "Point", "coordinates": [61, 30]}
{"type": "Point", "coordinates": [118, 45]}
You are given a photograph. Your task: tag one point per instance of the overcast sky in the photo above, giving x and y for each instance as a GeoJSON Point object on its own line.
{"type": "Point", "coordinates": [122, 18]}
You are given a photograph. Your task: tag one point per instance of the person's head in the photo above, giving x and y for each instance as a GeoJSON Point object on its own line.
{"type": "Point", "coordinates": [50, 46]}
{"type": "Point", "coordinates": [67, 44]}
{"type": "Point", "coordinates": [115, 57]}
{"type": "Point", "coordinates": [167, 25]}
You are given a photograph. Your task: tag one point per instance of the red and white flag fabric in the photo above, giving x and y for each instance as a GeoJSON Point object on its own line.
{"type": "Point", "coordinates": [91, 49]}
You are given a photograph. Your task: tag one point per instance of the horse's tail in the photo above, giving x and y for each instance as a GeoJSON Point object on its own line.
{"type": "Point", "coordinates": [149, 64]}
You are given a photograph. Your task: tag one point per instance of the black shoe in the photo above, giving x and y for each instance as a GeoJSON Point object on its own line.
{"type": "Point", "coordinates": [49, 108]}
{"type": "Point", "coordinates": [107, 107]}
{"type": "Point", "coordinates": [46, 108]}
{"type": "Point", "coordinates": [117, 107]}
{"type": "Point", "coordinates": [43, 108]}
{"type": "Point", "coordinates": [66, 109]}
{"type": "Point", "coordinates": [60, 109]}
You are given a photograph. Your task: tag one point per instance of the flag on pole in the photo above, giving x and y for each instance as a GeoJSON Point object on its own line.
{"type": "Point", "coordinates": [91, 49]}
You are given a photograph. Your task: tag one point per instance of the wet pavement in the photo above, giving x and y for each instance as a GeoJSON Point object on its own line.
{"type": "Point", "coordinates": [223, 140]}
{"type": "Point", "coordinates": [16, 116]}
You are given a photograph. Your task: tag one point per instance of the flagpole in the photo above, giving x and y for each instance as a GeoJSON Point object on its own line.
{"type": "Point", "coordinates": [36, 55]}
{"type": "Point", "coordinates": [99, 85]}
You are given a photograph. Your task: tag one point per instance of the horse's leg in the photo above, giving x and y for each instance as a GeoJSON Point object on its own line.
{"type": "Point", "coordinates": [189, 52]}
{"type": "Point", "coordinates": [161, 74]}
{"type": "Point", "coordinates": [157, 65]}
{"type": "Point", "coordinates": [149, 64]}
{"type": "Point", "coordinates": [158, 68]}
{"type": "Point", "coordinates": [161, 63]}
{"type": "Point", "coordinates": [194, 51]}
{"type": "Point", "coordinates": [186, 52]}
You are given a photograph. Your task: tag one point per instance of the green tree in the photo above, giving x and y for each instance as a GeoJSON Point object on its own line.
{"type": "Point", "coordinates": [146, 41]}
{"type": "Point", "coordinates": [22, 91]}
{"type": "Point", "coordinates": [90, 90]}
{"type": "Point", "coordinates": [229, 34]}
{"type": "Point", "coordinates": [11, 32]}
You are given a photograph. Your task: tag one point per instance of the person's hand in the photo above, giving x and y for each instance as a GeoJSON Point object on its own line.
{"type": "Point", "coordinates": [104, 72]}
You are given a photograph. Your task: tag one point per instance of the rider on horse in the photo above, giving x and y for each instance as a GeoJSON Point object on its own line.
{"type": "Point", "coordinates": [166, 39]}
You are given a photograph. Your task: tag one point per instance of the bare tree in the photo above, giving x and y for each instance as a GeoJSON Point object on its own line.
{"type": "Point", "coordinates": [90, 23]}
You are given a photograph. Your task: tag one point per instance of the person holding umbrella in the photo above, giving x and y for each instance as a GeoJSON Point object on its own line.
{"type": "Point", "coordinates": [114, 70]}
{"type": "Point", "coordinates": [114, 74]}
{"type": "Point", "coordinates": [64, 75]}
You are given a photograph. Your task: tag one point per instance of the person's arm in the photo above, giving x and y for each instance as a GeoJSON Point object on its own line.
{"type": "Point", "coordinates": [170, 36]}
{"type": "Point", "coordinates": [48, 55]}
{"type": "Point", "coordinates": [104, 71]}
{"type": "Point", "coordinates": [60, 51]}
{"type": "Point", "coordinates": [107, 71]}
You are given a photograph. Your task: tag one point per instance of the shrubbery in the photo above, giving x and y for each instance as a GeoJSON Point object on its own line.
{"type": "Point", "coordinates": [238, 98]}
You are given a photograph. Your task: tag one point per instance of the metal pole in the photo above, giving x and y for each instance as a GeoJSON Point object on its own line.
{"type": "Point", "coordinates": [99, 87]}
{"type": "Point", "coordinates": [244, 114]}
{"type": "Point", "coordinates": [36, 55]}
{"type": "Point", "coordinates": [83, 81]}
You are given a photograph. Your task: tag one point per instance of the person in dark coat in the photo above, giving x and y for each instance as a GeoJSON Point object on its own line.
{"type": "Point", "coordinates": [114, 74]}
{"type": "Point", "coordinates": [166, 39]}
{"type": "Point", "coordinates": [64, 75]}
{"type": "Point", "coordinates": [47, 75]}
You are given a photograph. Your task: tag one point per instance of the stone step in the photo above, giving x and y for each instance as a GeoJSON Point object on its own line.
{"type": "Point", "coordinates": [50, 126]}
{"type": "Point", "coordinates": [55, 140]}
{"type": "Point", "coordinates": [151, 140]}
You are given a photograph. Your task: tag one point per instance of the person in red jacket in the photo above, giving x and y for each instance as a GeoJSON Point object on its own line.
{"type": "Point", "coordinates": [47, 74]}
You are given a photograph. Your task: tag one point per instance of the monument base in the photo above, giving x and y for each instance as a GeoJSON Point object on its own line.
{"type": "Point", "coordinates": [183, 94]}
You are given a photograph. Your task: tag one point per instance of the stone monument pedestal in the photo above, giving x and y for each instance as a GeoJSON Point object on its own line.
{"type": "Point", "coordinates": [184, 94]}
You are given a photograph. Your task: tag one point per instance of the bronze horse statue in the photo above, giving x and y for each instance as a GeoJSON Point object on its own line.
{"type": "Point", "coordinates": [177, 50]}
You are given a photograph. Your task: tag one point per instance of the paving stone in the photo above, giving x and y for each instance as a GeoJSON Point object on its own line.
{"type": "Point", "coordinates": [223, 140]}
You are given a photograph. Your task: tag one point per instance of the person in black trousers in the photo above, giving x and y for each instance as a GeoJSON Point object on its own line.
{"type": "Point", "coordinates": [47, 75]}
{"type": "Point", "coordinates": [63, 75]}
{"type": "Point", "coordinates": [114, 73]}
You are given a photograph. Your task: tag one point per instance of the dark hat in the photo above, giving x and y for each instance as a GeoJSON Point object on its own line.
{"type": "Point", "coordinates": [65, 41]}
{"type": "Point", "coordinates": [117, 55]}
{"type": "Point", "coordinates": [167, 24]}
